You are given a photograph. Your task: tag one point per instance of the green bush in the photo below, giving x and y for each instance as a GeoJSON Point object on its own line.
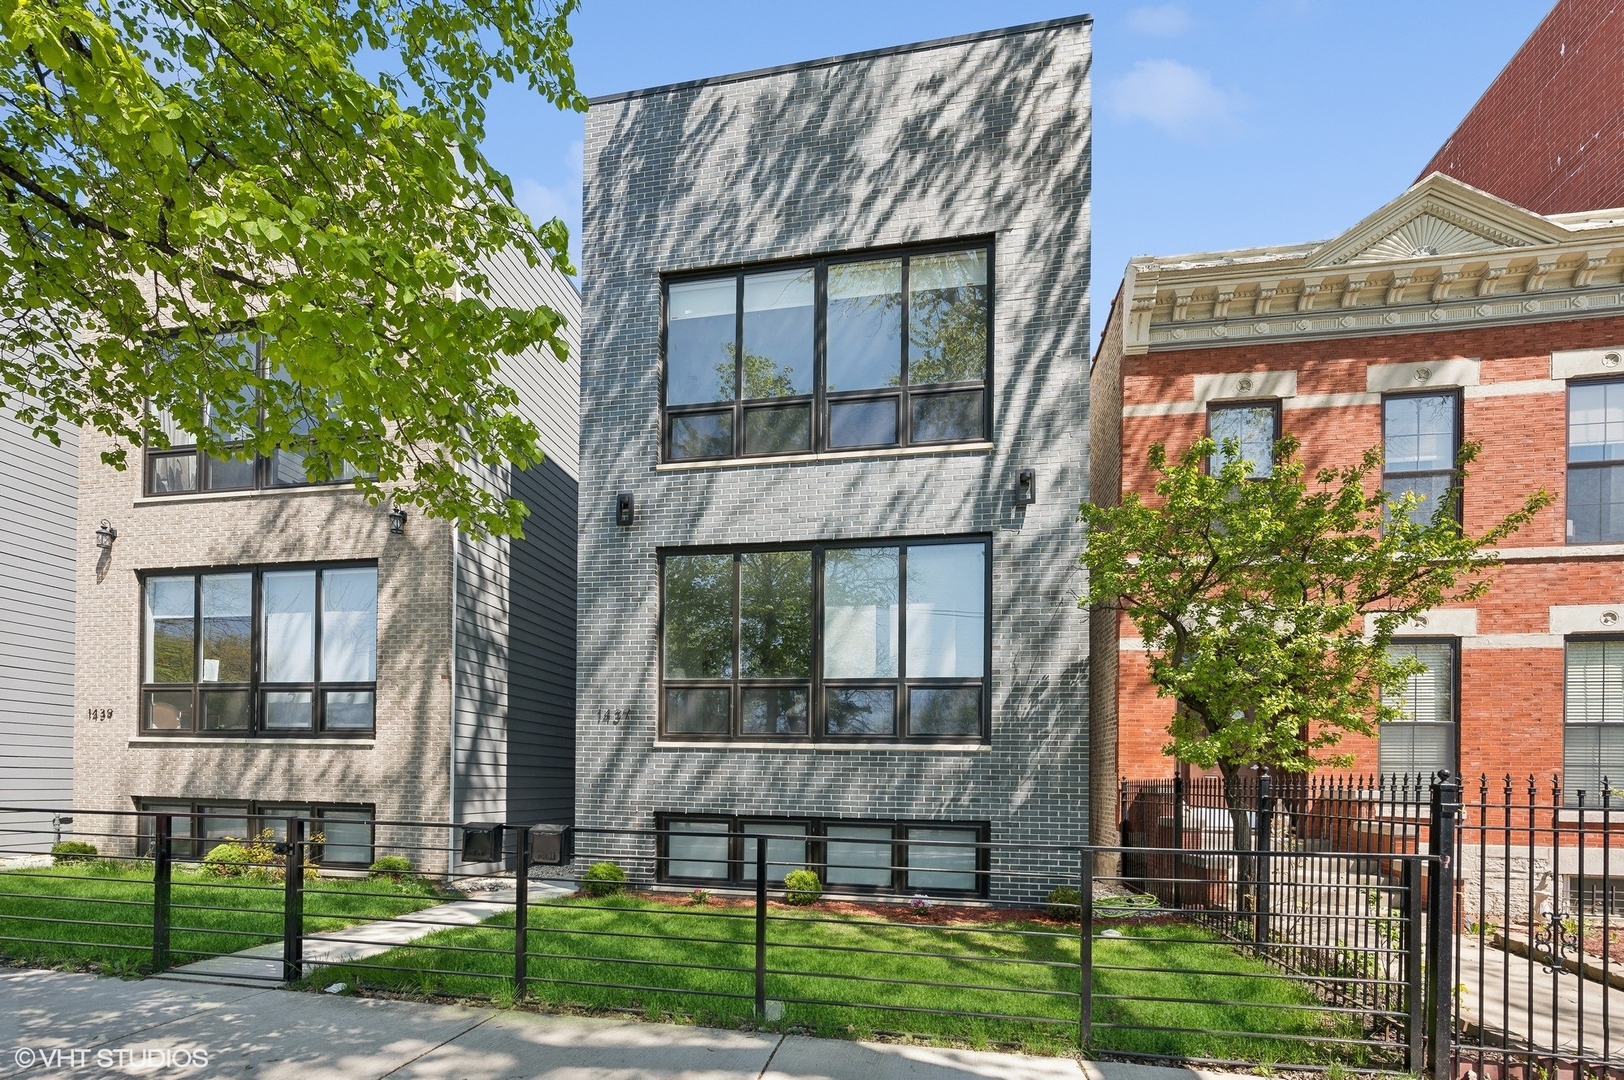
{"type": "Point", "coordinates": [65, 852]}
{"type": "Point", "coordinates": [802, 887]}
{"type": "Point", "coordinates": [229, 859]}
{"type": "Point", "coordinates": [603, 879]}
{"type": "Point", "coordinates": [394, 867]}
{"type": "Point", "coordinates": [1065, 904]}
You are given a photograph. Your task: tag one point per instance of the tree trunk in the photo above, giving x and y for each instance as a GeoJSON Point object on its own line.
{"type": "Point", "coordinates": [1241, 816]}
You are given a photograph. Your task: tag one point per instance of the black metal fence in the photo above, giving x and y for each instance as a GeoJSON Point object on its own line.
{"type": "Point", "coordinates": [1530, 927]}
{"type": "Point", "coordinates": [1217, 978]}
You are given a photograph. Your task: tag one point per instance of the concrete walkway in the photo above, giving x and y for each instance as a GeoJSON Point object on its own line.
{"type": "Point", "coordinates": [262, 964]}
{"type": "Point", "coordinates": [1496, 995]}
{"type": "Point", "coordinates": [54, 1024]}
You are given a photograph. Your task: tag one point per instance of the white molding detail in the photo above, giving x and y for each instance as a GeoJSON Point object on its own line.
{"type": "Point", "coordinates": [1245, 385]}
{"type": "Point", "coordinates": [1441, 622]}
{"type": "Point", "coordinates": [1331, 401]}
{"type": "Point", "coordinates": [1575, 363]}
{"type": "Point", "coordinates": [1380, 378]}
{"type": "Point", "coordinates": [1131, 644]}
{"type": "Point", "coordinates": [977, 447]}
{"type": "Point", "coordinates": [1163, 408]}
{"type": "Point", "coordinates": [1587, 618]}
{"type": "Point", "coordinates": [1512, 641]}
{"type": "Point", "coordinates": [1519, 388]}
{"type": "Point", "coordinates": [1558, 551]}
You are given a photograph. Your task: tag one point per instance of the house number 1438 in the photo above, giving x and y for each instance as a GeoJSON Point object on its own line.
{"type": "Point", "coordinates": [98, 714]}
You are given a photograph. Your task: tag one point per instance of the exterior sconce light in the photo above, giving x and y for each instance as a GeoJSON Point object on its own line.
{"type": "Point", "coordinates": [624, 510]}
{"type": "Point", "coordinates": [106, 535]}
{"type": "Point", "coordinates": [1026, 487]}
{"type": "Point", "coordinates": [397, 521]}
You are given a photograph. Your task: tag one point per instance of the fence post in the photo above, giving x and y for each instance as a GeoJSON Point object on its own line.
{"type": "Point", "coordinates": [1441, 926]}
{"type": "Point", "coordinates": [1264, 845]}
{"type": "Point", "coordinates": [293, 903]}
{"type": "Point", "coordinates": [521, 915]}
{"type": "Point", "coordinates": [1178, 840]}
{"type": "Point", "coordinates": [761, 929]}
{"type": "Point", "coordinates": [1414, 987]}
{"type": "Point", "coordinates": [162, 829]}
{"type": "Point", "coordinates": [1085, 950]}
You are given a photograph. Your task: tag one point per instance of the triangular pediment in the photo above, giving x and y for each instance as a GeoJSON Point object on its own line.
{"type": "Point", "coordinates": [1438, 217]}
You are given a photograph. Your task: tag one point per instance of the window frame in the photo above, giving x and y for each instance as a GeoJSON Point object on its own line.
{"type": "Point", "coordinates": [1569, 465]}
{"type": "Point", "coordinates": [818, 686]}
{"type": "Point", "coordinates": [1454, 698]}
{"type": "Point", "coordinates": [1570, 793]}
{"type": "Point", "coordinates": [820, 398]}
{"type": "Point", "coordinates": [257, 686]}
{"type": "Point", "coordinates": [262, 464]}
{"type": "Point", "coordinates": [1273, 403]}
{"type": "Point", "coordinates": [192, 846]}
{"type": "Point", "coordinates": [1456, 487]}
{"type": "Point", "coordinates": [817, 840]}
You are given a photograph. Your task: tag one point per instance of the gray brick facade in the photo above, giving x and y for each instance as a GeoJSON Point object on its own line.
{"type": "Point", "coordinates": [985, 136]}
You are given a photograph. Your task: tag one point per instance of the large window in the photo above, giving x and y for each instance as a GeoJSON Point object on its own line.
{"type": "Point", "coordinates": [1422, 741]}
{"type": "Point", "coordinates": [853, 642]}
{"type": "Point", "coordinates": [936, 858]}
{"type": "Point", "coordinates": [839, 354]}
{"type": "Point", "coordinates": [275, 651]}
{"type": "Point", "coordinates": [1246, 430]}
{"type": "Point", "coordinates": [184, 468]}
{"type": "Point", "coordinates": [1596, 462]}
{"type": "Point", "coordinates": [1420, 442]}
{"type": "Point", "coordinates": [346, 831]}
{"type": "Point", "coordinates": [1593, 736]}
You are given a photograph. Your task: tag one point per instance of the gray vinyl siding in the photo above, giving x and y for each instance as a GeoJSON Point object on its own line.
{"type": "Point", "coordinates": [515, 611]}
{"type": "Point", "coordinates": [38, 490]}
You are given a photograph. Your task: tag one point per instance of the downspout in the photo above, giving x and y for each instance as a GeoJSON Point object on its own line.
{"type": "Point", "coordinates": [451, 793]}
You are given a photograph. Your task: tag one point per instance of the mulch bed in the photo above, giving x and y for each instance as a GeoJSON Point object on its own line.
{"type": "Point", "coordinates": [935, 914]}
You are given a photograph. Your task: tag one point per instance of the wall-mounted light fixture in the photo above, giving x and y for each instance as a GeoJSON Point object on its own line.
{"type": "Point", "coordinates": [1026, 487]}
{"type": "Point", "coordinates": [625, 510]}
{"type": "Point", "coordinates": [106, 535]}
{"type": "Point", "coordinates": [397, 521]}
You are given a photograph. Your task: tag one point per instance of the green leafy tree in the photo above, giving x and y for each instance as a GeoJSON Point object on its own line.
{"type": "Point", "coordinates": [1267, 605]}
{"type": "Point", "coordinates": [177, 173]}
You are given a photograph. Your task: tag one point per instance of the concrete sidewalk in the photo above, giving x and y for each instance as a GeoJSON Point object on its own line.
{"type": "Point", "coordinates": [54, 1024]}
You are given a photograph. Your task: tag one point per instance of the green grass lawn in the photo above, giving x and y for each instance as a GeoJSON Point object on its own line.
{"type": "Point", "coordinates": [1024, 983]}
{"type": "Point", "coordinates": [98, 914]}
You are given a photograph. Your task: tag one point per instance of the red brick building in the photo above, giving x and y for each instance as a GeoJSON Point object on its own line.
{"type": "Point", "coordinates": [1548, 134]}
{"type": "Point", "coordinates": [1446, 315]}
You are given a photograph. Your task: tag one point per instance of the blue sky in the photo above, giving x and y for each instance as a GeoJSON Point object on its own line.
{"type": "Point", "coordinates": [1218, 123]}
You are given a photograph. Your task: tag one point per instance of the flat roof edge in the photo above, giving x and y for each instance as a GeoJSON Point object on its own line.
{"type": "Point", "coordinates": [830, 61]}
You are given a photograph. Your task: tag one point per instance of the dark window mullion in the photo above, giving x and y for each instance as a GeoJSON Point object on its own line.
{"type": "Point", "coordinates": [820, 361]}
{"type": "Point", "coordinates": [904, 410]}
{"type": "Point", "coordinates": [738, 367]}
{"type": "Point", "coordinates": [900, 719]}
{"type": "Point", "coordinates": [197, 653]}
{"type": "Point", "coordinates": [316, 711]}
{"type": "Point", "coordinates": [814, 704]}
{"type": "Point", "coordinates": [256, 671]}
{"type": "Point", "coordinates": [736, 692]}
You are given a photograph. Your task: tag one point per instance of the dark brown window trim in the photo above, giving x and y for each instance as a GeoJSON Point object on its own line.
{"type": "Point", "coordinates": [817, 850]}
{"type": "Point", "coordinates": [256, 687]}
{"type": "Point", "coordinates": [820, 399]}
{"type": "Point", "coordinates": [817, 685]}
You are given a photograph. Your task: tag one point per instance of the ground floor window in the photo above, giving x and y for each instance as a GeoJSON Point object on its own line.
{"type": "Point", "coordinates": [1422, 741]}
{"type": "Point", "coordinates": [346, 829]}
{"type": "Point", "coordinates": [934, 858]}
{"type": "Point", "coordinates": [1593, 708]}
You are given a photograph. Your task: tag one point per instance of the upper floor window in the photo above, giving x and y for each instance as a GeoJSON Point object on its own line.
{"type": "Point", "coordinates": [1593, 708]}
{"type": "Point", "coordinates": [278, 651]}
{"type": "Point", "coordinates": [1246, 429]}
{"type": "Point", "coordinates": [861, 641]}
{"type": "Point", "coordinates": [183, 467]}
{"type": "Point", "coordinates": [1422, 741]}
{"type": "Point", "coordinates": [1420, 444]}
{"type": "Point", "coordinates": [837, 354]}
{"type": "Point", "coordinates": [1596, 462]}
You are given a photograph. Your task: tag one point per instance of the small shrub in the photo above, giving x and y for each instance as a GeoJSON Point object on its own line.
{"type": "Point", "coordinates": [1064, 904]}
{"type": "Point", "coordinates": [67, 852]}
{"type": "Point", "coordinates": [229, 859]}
{"type": "Point", "coordinates": [394, 867]}
{"type": "Point", "coordinates": [699, 897]}
{"type": "Point", "coordinates": [603, 879]}
{"type": "Point", "coordinates": [802, 887]}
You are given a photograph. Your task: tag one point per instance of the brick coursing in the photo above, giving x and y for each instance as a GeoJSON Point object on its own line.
{"type": "Point", "coordinates": [989, 137]}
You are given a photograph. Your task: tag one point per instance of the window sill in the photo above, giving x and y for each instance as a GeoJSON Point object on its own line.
{"type": "Point", "coordinates": [873, 748]}
{"type": "Point", "coordinates": [341, 488]}
{"type": "Point", "coordinates": [249, 740]}
{"type": "Point", "coordinates": [978, 447]}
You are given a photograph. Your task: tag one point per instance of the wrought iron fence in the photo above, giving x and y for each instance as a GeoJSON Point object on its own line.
{"type": "Point", "coordinates": [1096, 966]}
